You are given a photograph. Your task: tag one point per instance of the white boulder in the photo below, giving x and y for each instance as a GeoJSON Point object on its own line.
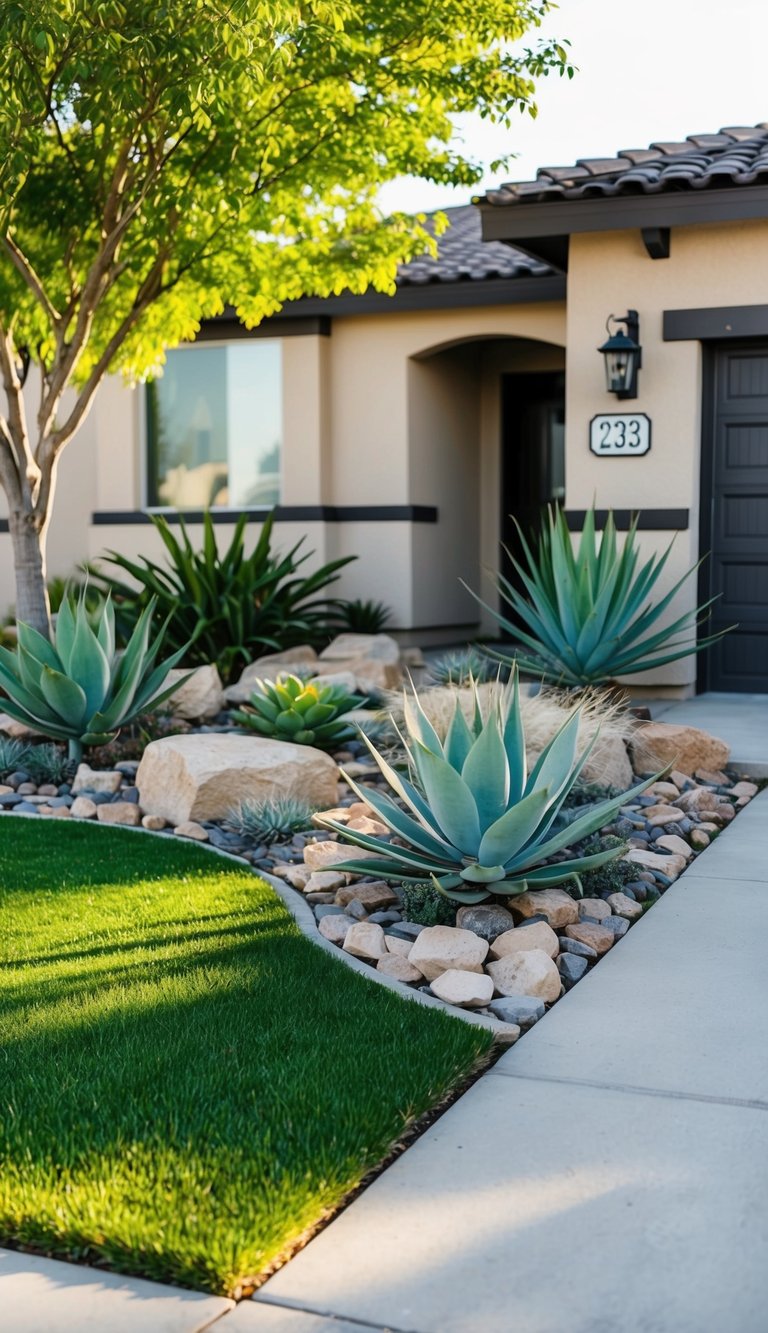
{"type": "Point", "coordinates": [201, 696]}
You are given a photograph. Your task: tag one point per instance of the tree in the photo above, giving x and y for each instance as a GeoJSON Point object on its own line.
{"type": "Point", "coordinates": [160, 161]}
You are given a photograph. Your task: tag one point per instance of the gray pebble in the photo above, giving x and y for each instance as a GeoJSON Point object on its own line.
{"type": "Point", "coordinates": [576, 947]}
{"type": "Point", "coordinates": [328, 909]}
{"type": "Point", "coordinates": [57, 801]}
{"type": "Point", "coordinates": [25, 808]}
{"type": "Point", "coordinates": [618, 924]}
{"type": "Point", "coordinates": [406, 930]}
{"type": "Point", "coordinates": [525, 1010]}
{"type": "Point", "coordinates": [385, 918]}
{"type": "Point", "coordinates": [356, 910]}
{"type": "Point", "coordinates": [9, 799]}
{"type": "Point", "coordinates": [531, 920]}
{"type": "Point", "coordinates": [129, 794]}
{"type": "Point", "coordinates": [571, 968]}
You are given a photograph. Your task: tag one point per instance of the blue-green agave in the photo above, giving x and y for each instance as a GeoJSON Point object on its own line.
{"type": "Point", "coordinates": [587, 614]}
{"type": "Point", "coordinates": [476, 822]}
{"type": "Point", "coordinates": [77, 688]}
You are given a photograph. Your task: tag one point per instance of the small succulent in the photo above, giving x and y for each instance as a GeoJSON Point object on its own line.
{"type": "Point", "coordinates": [477, 823]}
{"type": "Point", "coordinates": [461, 667]}
{"type": "Point", "coordinates": [12, 755]}
{"type": "Point", "coordinates": [363, 617]}
{"type": "Point", "coordinates": [78, 689]}
{"type": "Point", "coordinates": [46, 763]}
{"type": "Point", "coordinates": [271, 820]}
{"type": "Point", "coordinates": [290, 709]}
{"type": "Point", "coordinates": [587, 615]}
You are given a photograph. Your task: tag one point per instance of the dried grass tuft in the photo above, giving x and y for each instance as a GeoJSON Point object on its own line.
{"type": "Point", "coordinates": [543, 715]}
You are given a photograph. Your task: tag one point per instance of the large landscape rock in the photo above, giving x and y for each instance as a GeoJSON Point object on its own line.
{"type": "Point", "coordinates": [438, 949]}
{"type": "Point", "coordinates": [536, 936]}
{"type": "Point", "coordinates": [200, 697]}
{"type": "Point", "coordinates": [656, 745]}
{"type": "Point", "coordinates": [372, 659]}
{"type": "Point", "coordinates": [555, 904]}
{"type": "Point", "coordinates": [203, 776]}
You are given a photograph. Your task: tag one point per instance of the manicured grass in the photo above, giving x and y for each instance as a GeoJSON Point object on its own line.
{"type": "Point", "coordinates": [186, 1083]}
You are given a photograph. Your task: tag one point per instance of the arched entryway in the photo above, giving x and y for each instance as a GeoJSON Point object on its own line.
{"type": "Point", "coordinates": [486, 440]}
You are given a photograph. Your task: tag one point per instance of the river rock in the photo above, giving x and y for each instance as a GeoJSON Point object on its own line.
{"type": "Point", "coordinates": [594, 907]}
{"type": "Point", "coordinates": [90, 779]}
{"type": "Point", "coordinates": [672, 842]}
{"type": "Point", "coordinates": [325, 855]}
{"type": "Point", "coordinates": [374, 897]}
{"type": "Point", "coordinates": [655, 745]}
{"type": "Point", "coordinates": [555, 904]}
{"type": "Point", "coordinates": [600, 938]}
{"type": "Point", "coordinates": [529, 973]}
{"type": "Point", "coordinates": [364, 939]}
{"type": "Point", "coordinates": [395, 965]}
{"type": "Point", "coordinates": [485, 921]}
{"type": "Point", "coordinates": [334, 928]}
{"type": "Point", "coordinates": [624, 906]}
{"type": "Point", "coordinates": [270, 667]}
{"type": "Point", "coordinates": [536, 936]}
{"type": "Point", "coordinates": [83, 808]}
{"type": "Point", "coordinates": [119, 812]}
{"type": "Point", "coordinates": [203, 776]}
{"type": "Point", "coordinates": [672, 864]}
{"type": "Point", "coordinates": [438, 949]}
{"type": "Point", "coordinates": [470, 990]}
{"type": "Point", "coordinates": [191, 829]}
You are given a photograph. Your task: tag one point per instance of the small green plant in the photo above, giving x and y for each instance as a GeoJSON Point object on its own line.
{"type": "Point", "coordinates": [289, 709]}
{"type": "Point", "coordinates": [225, 608]}
{"type": "Point", "coordinates": [271, 820]}
{"type": "Point", "coordinates": [78, 689]}
{"type": "Point", "coordinates": [461, 667]}
{"type": "Point", "coordinates": [423, 903]}
{"type": "Point", "coordinates": [478, 824]}
{"type": "Point", "coordinates": [585, 616]}
{"type": "Point", "coordinates": [610, 878]}
{"type": "Point", "coordinates": [46, 763]}
{"type": "Point", "coordinates": [362, 617]}
{"type": "Point", "coordinates": [12, 755]}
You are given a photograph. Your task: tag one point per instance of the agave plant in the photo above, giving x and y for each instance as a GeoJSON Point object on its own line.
{"type": "Point", "coordinates": [587, 617]}
{"type": "Point", "coordinates": [290, 709]}
{"type": "Point", "coordinates": [460, 667]}
{"type": "Point", "coordinates": [476, 822]}
{"type": "Point", "coordinates": [78, 689]}
{"type": "Point", "coordinates": [272, 819]}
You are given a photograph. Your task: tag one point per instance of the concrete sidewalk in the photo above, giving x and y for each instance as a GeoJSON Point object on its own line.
{"type": "Point", "coordinates": [608, 1175]}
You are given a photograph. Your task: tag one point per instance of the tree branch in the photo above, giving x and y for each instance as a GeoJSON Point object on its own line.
{"type": "Point", "coordinates": [22, 264]}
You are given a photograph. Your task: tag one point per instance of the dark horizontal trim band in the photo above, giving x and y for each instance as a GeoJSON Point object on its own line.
{"type": "Point", "coordinates": [716, 322]}
{"type": "Point", "coordinates": [226, 327]}
{"type": "Point", "coordinates": [562, 217]}
{"type": "Point", "coordinates": [649, 520]}
{"type": "Point", "coordinates": [283, 514]}
{"type": "Point", "coordinates": [430, 296]}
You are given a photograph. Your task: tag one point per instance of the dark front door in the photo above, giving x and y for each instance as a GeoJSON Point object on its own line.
{"type": "Point", "coordinates": [532, 456]}
{"type": "Point", "coordinates": [735, 516]}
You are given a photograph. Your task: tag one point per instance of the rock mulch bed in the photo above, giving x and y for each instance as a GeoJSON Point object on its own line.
{"type": "Point", "coordinates": [507, 960]}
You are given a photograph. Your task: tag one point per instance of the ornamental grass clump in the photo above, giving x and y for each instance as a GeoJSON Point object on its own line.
{"type": "Point", "coordinates": [476, 822]}
{"type": "Point", "coordinates": [586, 615]}
{"type": "Point", "coordinates": [289, 709]}
{"type": "Point", "coordinates": [78, 688]}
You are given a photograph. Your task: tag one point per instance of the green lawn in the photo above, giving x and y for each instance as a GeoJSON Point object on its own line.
{"type": "Point", "coordinates": [186, 1083]}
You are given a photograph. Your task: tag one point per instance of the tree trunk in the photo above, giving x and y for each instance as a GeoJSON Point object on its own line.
{"type": "Point", "coordinates": [28, 538]}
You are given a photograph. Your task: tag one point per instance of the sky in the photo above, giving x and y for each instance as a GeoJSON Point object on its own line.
{"type": "Point", "coordinates": [647, 70]}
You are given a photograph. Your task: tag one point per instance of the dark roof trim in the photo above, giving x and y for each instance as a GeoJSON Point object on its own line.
{"type": "Point", "coordinates": [430, 296]}
{"type": "Point", "coordinates": [566, 217]}
{"type": "Point", "coordinates": [648, 520]}
{"type": "Point", "coordinates": [716, 322]}
{"type": "Point", "coordinates": [283, 514]}
{"type": "Point", "coordinates": [227, 326]}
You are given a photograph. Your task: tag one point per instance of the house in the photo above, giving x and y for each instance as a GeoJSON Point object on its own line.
{"type": "Point", "coordinates": [407, 429]}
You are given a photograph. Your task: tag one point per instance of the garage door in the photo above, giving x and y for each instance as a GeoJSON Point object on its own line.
{"type": "Point", "coordinates": [735, 511]}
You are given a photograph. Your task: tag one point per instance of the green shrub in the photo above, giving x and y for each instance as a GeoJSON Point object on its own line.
{"type": "Point", "coordinates": [224, 608]}
{"type": "Point", "coordinates": [359, 617]}
{"type": "Point", "coordinates": [423, 903]}
{"type": "Point", "coordinates": [479, 824]}
{"type": "Point", "coordinates": [78, 688]}
{"type": "Point", "coordinates": [289, 709]}
{"type": "Point", "coordinates": [271, 820]}
{"type": "Point", "coordinates": [610, 878]}
{"type": "Point", "coordinates": [587, 615]}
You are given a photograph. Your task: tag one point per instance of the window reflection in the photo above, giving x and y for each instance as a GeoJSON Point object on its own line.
{"type": "Point", "coordinates": [214, 427]}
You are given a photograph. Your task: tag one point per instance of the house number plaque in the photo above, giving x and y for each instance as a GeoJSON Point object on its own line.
{"type": "Point", "coordinates": [620, 435]}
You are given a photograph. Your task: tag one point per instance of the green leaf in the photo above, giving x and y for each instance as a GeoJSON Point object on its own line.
{"type": "Point", "coordinates": [64, 696]}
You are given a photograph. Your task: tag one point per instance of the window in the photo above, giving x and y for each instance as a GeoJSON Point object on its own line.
{"type": "Point", "coordinates": [215, 426]}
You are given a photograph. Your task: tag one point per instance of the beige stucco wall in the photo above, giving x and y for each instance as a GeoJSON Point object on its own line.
{"type": "Point", "coordinates": [710, 265]}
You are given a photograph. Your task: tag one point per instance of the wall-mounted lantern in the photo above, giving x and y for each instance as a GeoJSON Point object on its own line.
{"type": "Point", "coordinates": [623, 355]}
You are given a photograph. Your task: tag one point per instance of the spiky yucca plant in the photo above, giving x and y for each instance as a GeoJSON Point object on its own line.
{"type": "Point", "coordinates": [289, 709]}
{"type": "Point", "coordinates": [78, 689]}
{"type": "Point", "coordinates": [587, 615]}
{"type": "Point", "coordinates": [476, 822]}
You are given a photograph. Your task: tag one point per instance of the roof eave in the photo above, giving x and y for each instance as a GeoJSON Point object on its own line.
{"type": "Point", "coordinates": [521, 223]}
